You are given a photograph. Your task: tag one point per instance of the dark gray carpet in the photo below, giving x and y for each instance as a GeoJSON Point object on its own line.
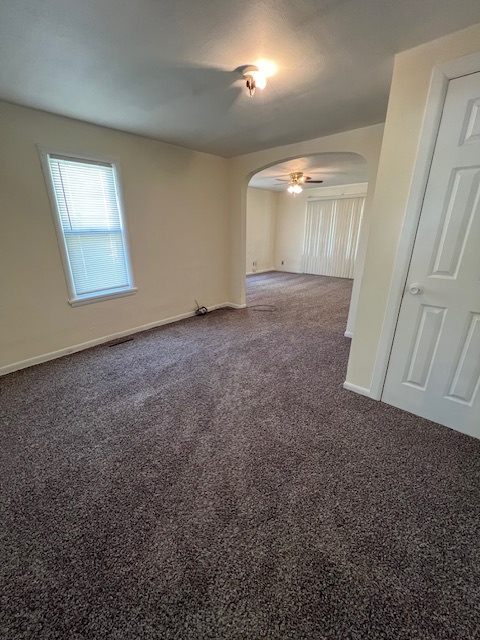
{"type": "Point", "coordinates": [212, 479]}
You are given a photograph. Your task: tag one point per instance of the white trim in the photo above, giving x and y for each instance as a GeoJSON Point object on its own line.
{"type": "Point", "coordinates": [284, 270]}
{"type": "Point", "coordinates": [348, 334]}
{"type": "Point", "coordinates": [441, 76]}
{"type": "Point", "coordinates": [361, 186]}
{"type": "Point", "coordinates": [346, 196]}
{"type": "Point", "coordinates": [252, 273]}
{"type": "Point", "coordinates": [79, 302]}
{"type": "Point", "coordinates": [53, 355]}
{"type": "Point", "coordinates": [356, 389]}
{"type": "Point", "coordinates": [461, 66]}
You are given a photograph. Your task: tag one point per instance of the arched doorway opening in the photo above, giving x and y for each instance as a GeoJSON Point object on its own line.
{"type": "Point", "coordinates": [276, 221]}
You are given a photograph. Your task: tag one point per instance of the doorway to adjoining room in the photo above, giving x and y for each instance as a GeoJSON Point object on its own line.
{"type": "Point", "coordinates": [305, 215]}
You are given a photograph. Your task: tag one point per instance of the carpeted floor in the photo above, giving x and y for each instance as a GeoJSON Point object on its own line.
{"type": "Point", "coordinates": [212, 479]}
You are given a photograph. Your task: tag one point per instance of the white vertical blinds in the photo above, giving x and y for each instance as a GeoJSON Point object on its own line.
{"type": "Point", "coordinates": [331, 236]}
{"type": "Point", "coordinates": [91, 223]}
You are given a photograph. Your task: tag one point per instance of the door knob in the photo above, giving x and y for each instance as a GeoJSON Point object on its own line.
{"type": "Point", "coordinates": [415, 289]}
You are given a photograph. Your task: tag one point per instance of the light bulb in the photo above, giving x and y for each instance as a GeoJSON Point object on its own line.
{"type": "Point", "coordinates": [256, 79]}
{"type": "Point", "coordinates": [295, 189]}
{"type": "Point", "coordinates": [260, 80]}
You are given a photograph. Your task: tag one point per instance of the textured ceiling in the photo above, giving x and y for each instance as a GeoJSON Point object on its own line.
{"type": "Point", "coordinates": [333, 168]}
{"type": "Point", "coordinates": [165, 68]}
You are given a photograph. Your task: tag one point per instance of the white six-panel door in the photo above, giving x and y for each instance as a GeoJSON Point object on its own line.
{"type": "Point", "coordinates": [434, 368]}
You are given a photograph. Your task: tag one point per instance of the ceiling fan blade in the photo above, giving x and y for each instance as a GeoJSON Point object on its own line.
{"type": "Point", "coordinates": [313, 182]}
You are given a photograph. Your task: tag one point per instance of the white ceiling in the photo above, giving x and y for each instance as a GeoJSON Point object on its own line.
{"type": "Point", "coordinates": [333, 168]}
{"type": "Point", "coordinates": [165, 68]}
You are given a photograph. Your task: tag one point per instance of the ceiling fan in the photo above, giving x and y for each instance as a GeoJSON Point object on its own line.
{"type": "Point", "coordinates": [296, 180]}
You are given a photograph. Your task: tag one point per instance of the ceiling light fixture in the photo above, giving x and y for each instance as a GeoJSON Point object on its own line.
{"type": "Point", "coordinates": [294, 188]}
{"type": "Point", "coordinates": [296, 180]}
{"type": "Point", "coordinates": [255, 78]}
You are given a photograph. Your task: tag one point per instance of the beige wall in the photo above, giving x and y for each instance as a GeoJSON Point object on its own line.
{"type": "Point", "coordinates": [397, 188]}
{"type": "Point", "coordinates": [290, 231]}
{"type": "Point", "coordinates": [260, 229]}
{"type": "Point", "coordinates": [291, 219]}
{"type": "Point", "coordinates": [177, 226]}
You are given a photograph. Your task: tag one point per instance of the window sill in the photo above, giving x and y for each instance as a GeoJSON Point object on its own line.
{"type": "Point", "coordinates": [78, 302]}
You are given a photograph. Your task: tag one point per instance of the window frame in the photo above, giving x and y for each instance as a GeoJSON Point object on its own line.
{"type": "Point", "coordinates": [75, 299]}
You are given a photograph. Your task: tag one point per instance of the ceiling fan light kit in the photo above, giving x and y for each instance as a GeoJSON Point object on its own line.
{"type": "Point", "coordinates": [297, 179]}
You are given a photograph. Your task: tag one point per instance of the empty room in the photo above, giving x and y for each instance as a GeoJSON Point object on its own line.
{"type": "Point", "coordinates": [240, 320]}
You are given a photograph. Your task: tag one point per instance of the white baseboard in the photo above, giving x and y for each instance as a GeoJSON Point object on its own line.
{"type": "Point", "coordinates": [232, 305]}
{"type": "Point", "coordinates": [356, 389]}
{"type": "Point", "coordinates": [348, 334]}
{"type": "Point", "coordinates": [53, 355]}
{"type": "Point", "coordinates": [252, 273]}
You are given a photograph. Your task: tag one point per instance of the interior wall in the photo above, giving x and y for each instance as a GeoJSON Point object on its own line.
{"type": "Point", "coordinates": [177, 229]}
{"type": "Point", "coordinates": [261, 206]}
{"type": "Point", "coordinates": [396, 181]}
{"type": "Point", "coordinates": [291, 217]}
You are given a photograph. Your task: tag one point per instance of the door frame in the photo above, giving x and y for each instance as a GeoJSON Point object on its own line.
{"type": "Point", "coordinates": [441, 76]}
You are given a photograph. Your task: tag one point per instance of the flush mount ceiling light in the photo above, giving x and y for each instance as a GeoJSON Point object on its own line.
{"type": "Point", "coordinates": [255, 78]}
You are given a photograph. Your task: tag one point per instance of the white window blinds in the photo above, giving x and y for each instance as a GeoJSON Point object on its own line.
{"type": "Point", "coordinates": [91, 224]}
{"type": "Point", "coordinates": [331, 236]}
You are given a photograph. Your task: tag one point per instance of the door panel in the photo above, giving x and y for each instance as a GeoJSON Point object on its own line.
{"type": "Point", "coordinates": [434, 368]}
{"type": "Point", "coordinates": [459, 213]}
{"type": "Point", "coordinates": [471, 128]}
{"type": "Point", "coordinates": [425, 345]}
{"type": "Point", "coordinates": [467, 371]}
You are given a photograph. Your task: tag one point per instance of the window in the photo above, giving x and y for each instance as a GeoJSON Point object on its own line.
{"type": "Point", "coordinates": [331, 236]}
{"type": "Point", "coordinates": [90, 228]}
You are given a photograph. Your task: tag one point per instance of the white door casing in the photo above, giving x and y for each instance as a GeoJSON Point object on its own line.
{"type": "Point", "coordinates": [434, 367]}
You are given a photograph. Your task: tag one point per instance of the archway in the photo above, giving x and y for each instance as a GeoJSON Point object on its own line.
{"type": "Point", "coordinates": [365, 142]}
{"type": "Point", "coordinates": [342, 173]}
